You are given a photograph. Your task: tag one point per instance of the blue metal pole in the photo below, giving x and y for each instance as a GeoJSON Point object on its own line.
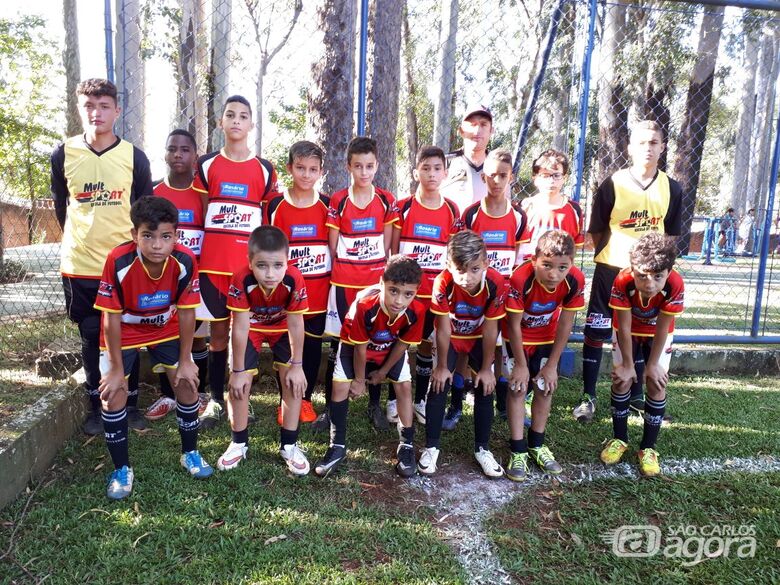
{"type": "Point", "coordinates": [552, 33]}
{"type": "Point", "coordinates": [761, 276]}
{"type": "Point", "coordinates": [708, 233]}
{"type": "Point", "coordinates": [584, 99]}
{"type": "Point", "coordinates": [109, 42]}
{"type": "Point", "coordinates": [361, 121]}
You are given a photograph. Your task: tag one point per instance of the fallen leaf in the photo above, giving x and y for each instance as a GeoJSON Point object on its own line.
{"type": "Point", "coordinates": [274, 539]}
{"type": "Point", "coordinates": [70, 460]}
{"type": "Point", "coordinates": [140, 537]}
{"type": "Point", "coordinates": [577, 540]}
{"type": "Point", "coordinates": [143, 431]}
{"type": "Point", "coordinates": [368, 486]}
{"type": "Point", "coordinates": [558, 515]}
{"type": "Point", "coordinates": [94, 510]}
{"type": "Point", "coordinates": [8, 524]}
{"type": "Point", "coordinates": [216, 524]}
{"type": "Point", "coordinates": [99, 466]}
{"type": "Point", "coordinates": [88, 441]}
{"type": "Point", "coordinates": [354, 505]}
{"type": "Point", "coordinates": [777, 544]}
{"type": "Point", "coordinates": [137, 508]}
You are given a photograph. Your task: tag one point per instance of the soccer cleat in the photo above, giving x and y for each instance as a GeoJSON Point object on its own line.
{"type": "Point", "coordinates": [419, 411]}
{"type": "Point", "coordinates": [322, 424]}
{"type": "Point", "coordinates": [517, 470]}
{"type": "Point", "coordinates": [203, 402]}
{"type": "Point", "coordinates": [637, 406]}
{"type": "Point", "coordinates": [93, 425]}
{"type": "Point", "coordinates": [377, 417]}
{"type": "Point", "coordinates": [334, 456]}
{"type": "Point", "coordinates": [196, 465]}
{"type": "Point", "coordinates": [296, 460]}
{"type": "Point", "coordinates": [544, 458]}
{"type": "Point", "coordinates": [134, 419]}
{"type": "Point", "coordinates": [392, 411]}
{"type": "Point", "coordinates": [488, 463]}
{"type": "Point", "coordinates": [160, 408]}
{"type": "Point", "coordinates": [232, 456]}
{"type": "Point", "coordinates": [426, 464]}
{"type": "Point", "coordinates": [613, 452]}
{"type": "Point", "coordinates": [586, 409]}
{"type": "Point", "coordinates": [307, 412]}
{"type": "Point", "coordinates": [648, 462]}
{"type": "Point", "coordinates": [212, 415]}
{"type": "Point", "coordinates": [451, 418]}
{"type": "Point", "coordinates": [406, 466]}
{"type": "Point", "coordinates": [120, 483]}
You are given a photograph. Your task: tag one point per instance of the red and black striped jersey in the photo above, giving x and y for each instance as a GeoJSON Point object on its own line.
{"type": "Point", "coordinates": [306, 229]}
{"type": "Point", "coordinates": [541, 217]}
{"type": "Point", "coordinates": [148, 305]}
{"type": "Point", "coordinates": [501, 234]}
{"type": "Point", "coordinates": [268, 310]}
{"type": "Point", "coordinates": [468, 312]}
{"type": "Point", "coordinates": [541, 308]}
{"type": "Point", "coordinates": [425, 232]}
{"type": "Point", "coordinates": [190, 206]}
{"type": "Point", "coordinates": [367, 321]}
{"type": "Point", "coordinates": [626, 297]}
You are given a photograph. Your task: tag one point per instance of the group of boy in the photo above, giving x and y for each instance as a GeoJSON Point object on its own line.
{"type": "Point", "coordinates": [375, 274]}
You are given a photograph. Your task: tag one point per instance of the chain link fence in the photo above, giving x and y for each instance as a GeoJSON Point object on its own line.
{"type": "Point", "coordinates": [707, 75]}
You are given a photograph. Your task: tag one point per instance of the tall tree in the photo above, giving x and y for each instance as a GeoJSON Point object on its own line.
{"type": "Point", "coordinates": [190, 67]}
{"type": "Point", "coordinates": [412, 143]}
{"type": "Point", "coordinates": [72, 64]}
{"type": "Point", "coordinates": [266, 19]}
{"type": "Point", "coordinates": [130, 70]}
{"type": "Point", "coordinates": [446, 73]}
{"type": "Point", "coordinates": [331, 99]}
{"type": "Point", "coordinates": [693, 133]}
{"type": "Point", "coordinates": [384, 66]}
{"type": "Point", "coordinates": [747, 110]}
{"type": "Point", "coordinates": [219, 69]}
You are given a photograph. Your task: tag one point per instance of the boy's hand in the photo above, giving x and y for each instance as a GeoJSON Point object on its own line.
{"type": "Point", "coordinates": [550, 376]}
{"type": "Point", "coordinates": [187, 374]}
{"type": "Point", "coordinates": [656, 375]}
{"type": "Point", "coordinates": [296, 381]}
{"type": "Point", "coordinates": [357, 388]}
{"type": "Point", "coordinates": [377, 376]}
{"type": "Point", "coordinates": [487, 379]}
{"type": "Point", "coordinates": [111, 384]}
{"type": "Point", "coordinates": [240, 383]}
{"type": "Point", "coordinates": [624, 375]}
{"type": "Point", "coordinates": [441, 375]}
{"type": "Point", "coordinates": [518, 380]}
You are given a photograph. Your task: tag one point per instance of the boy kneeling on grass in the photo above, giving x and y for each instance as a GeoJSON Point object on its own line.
{"type": "Point", "coordinates": [378, 329]}
{"type": "Point", "coordinates": [645, 299]}
{"type": "Point", "coordinates": [148, 293]}
{"type": "Point", "coordinates": [544, 294]}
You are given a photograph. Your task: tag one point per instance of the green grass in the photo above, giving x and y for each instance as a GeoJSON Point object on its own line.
{"type": "Point", "coordinates": [366, 525]}
{"type": "Point", "coordinates": [19, 388]}
{"type": "Point", "coordinates": [23, 340]}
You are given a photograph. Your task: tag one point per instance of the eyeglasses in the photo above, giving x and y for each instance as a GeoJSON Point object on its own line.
{"type": "Point", "coordinates": [553, 176]}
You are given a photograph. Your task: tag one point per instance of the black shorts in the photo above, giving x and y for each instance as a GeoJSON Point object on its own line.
{"type": "Point", "coordinates": [345, 366]}
{"type": "Point", "coordinates": [598, 323]}
{"type": "Point", "coordinates": [163, 356]}
{"type": "Point", "coordinates": [80, 295]}
{"type": "Point", "coordinates": [475, 355]}
{"type": "Point", "coordinates": [314, 325]}
{"type": "Point", "coordinates": [535, 356]}
{"type": "Point", "coordinates": [280, 348]}
{"type": "Point", "coordinates": [213, 296]}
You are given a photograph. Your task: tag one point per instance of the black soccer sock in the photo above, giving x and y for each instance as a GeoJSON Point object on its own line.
{"type": "Point", "coordinates": [406, 435]}
{"type": "Point", "coordinates": [338, 422]}
{"type": "Point", "coordinates": [591, 364]}
{"type": "Point", "coordinates": [374, 393]}
{"type": "Point", "coordinates": [502, 387]}
{"type": "Point", "coordinates": [165, 387]}
{"type": "Point", "coordinates": [240, 436]}
{"type": "Point", "coordinates": [518, 445]}
{"type": "Point", "coordinates": [535, 440]}
{"type": "Point", "coordinates": [217, 367]}
{"type": "Point", "coordinates": [287, 437]}
{"type": "Point", "coordinates": [391, 392]}
{"type": "Point", "coordinates": [483, 418]}
{"type": "Point", "coordinates": [636, 388]}
{"type": "Point", "coordinates": [115, 429]}
{"type": "Point", "coordinates": [423, 370]}
{"type": "Point", "coordinates": [434, 416]}
{"type": "Point", "coordinates": [132, 383]}
{"type": "Point", "coordinates": [458, 385]}
{"type": "Point", "coordinates": [187, 417]}
{"type": "Point", "coordinates": [654, 416]}
{"type": "Point", "coordinates": [620, 415]}
{"type": "Point", "coordinates": [201, 359]}
{"type": "Point", "coordinates": [89, 331]}
{"type": "Point", "coordinates": [312, 356]}
{"type": "Point", "coordinates": [334, 347]}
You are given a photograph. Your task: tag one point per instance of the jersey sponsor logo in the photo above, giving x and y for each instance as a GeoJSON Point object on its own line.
{"type": "Point", "coordinates": [186, 216]}
{"type": "Point", "coordinates": [192, 239]}
{"type": "Point", "coordinates": [233, 217]}
{"type": "Point", "coordinates": [268, 314]}
{"type": "Point", "coordinates": [500, 261]}
{"type": "Point", "coordinates": [156, 321]}
{"type": "Point", "coordinates": [195, 285]}
{"type": "Point", "coordinates": [536, 321]}
{"type": "Point", "coordinates": [96, 194]}
{"type": "Point", "coordinates": [495, 237]}
{"type": "Point", "coordinates": [465, 326]}
{"type": "Point", "coordinates": [538, 307]}
{"type": "Point", "coordinates": [234, 292]}
{"type": "Point", "coordinates": [598, 321]}
{"type": "Point", "coordinates": [426, 256]}
{"type": "Point", "coordinates": [303, 231]}
{"type": "Point", "coordinates": [161, 298]}
{"type": "Point", "coordinates": [233, 190]}
{"type": "Point", "coordinates": [640, 220]}
{"type": "Point", "coordinates": [424, 230]}
{"type": "Point", "coordinates": [366, 224]}
{"type": "Point", "coordinates": [105, 289]}
{"type": "Point", "coordinates": [382, 336]}
{"type": "Point", "coordinates": [645, 314]}
{"type": "Point", "coordinates": [379, 347]}
{"type": "Point", "coordinates": [311, 259]}
{"type": "Point", "coordinates": [364, 249]}
{"type": "Point", "coordinates": [467, 309]}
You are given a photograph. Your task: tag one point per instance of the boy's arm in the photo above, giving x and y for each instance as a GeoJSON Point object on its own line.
{"type": "Point", "coordinates": [624, 374]}
{"type": "Point", "coordinates": [358, 385]}
{"type": "Point", "coordinates": [296, 379]}
{"type": "Point", "coordinates": [186, 371]}
{"type": "Point", "coordinates": [114, 380]}
{"type": "Point", "coordinates": [485, 375]}
{"type": "Point", "coordinates": [654, 373]}
{"type": "Point", "coordinates": [441, 373]}
{"type": "Point", "coordinates": [388, 237]}
{"type": "Point", "coordinates": [59, 185]}
{"type": "Point", "coordinates": [396, 353]}
{"type": "Point", "coordinates": [549, 373]}
{"type": "Point", "coordinates": [142, 176]}
{"type": "Point", "coordinates": [519, 375]}
{"type": "Point", "coordinates": [395, 244]}
{"type": "Point", "coordinates": [333, 241]}
{"type": "Point", "coordinates": [240, 379]}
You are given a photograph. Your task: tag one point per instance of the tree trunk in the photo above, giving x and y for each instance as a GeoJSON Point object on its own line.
{"type": "Point", "coordinates": [72, 64]}
{"type": "Point", "coordinates": [655, 108]}
{"type": "Point", "coordinates": [747, 110]}
{"type": "Point", "coordinates": [384, 59]}
{"type": "Point", "coordinates": [446, 74]}
{"type": "Point", "coordinates": [191, 61]}
{"type": "Point", "coordinates": [259, 107]}
{"type": "Point", "coordinates": [331, 99]}
{"type": "Point", "coordinates": [219, 75]}
{"type": "Point", "coordinates": [693, 133]}
{"type": "Point", "coordinates": [412, 140]}
{"type": "Point", "coordinates": [130, 75]}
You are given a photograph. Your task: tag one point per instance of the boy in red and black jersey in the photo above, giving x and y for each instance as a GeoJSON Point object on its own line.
{"type": "Point", "coordinates": [645, 299]}
{"type": "Point", "coordinates": [378, 329]}
{"type": "Point", "coordinates": [544, 294]}
{"type": "Point", "coordinates": [426, 220]}
{"type": "Point", "coordinates": [468, 300]}
{"type": "Point", "coordinates": [233, 183]}
{"type": "Point", "coordinates": [148, 293]}
{"type": "Point", "coordinates": [268, 301]}
{"type": "Point", "coordinates": [302, 214]}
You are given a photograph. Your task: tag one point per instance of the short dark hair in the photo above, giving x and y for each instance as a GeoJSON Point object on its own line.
{"type": "Point", "coordinates": [268, 238]}
{"type": "Point", "coordinates": [466, 246]}
{"type": "Point", "coordinates": [650, 125]}
{"type": "Point", "coordinates": [402, 269]}
{"type": "Point", "coordinates": [186, 134]}
{"type": "Point", "coordinates": [429, 151]}
{"type": "Point", "coordinates": [305, 149]}
{"type": "Point", "coordinates": [653, 252]}
{"type": "Point", "coordinates": [550, 157]}
{"type": "Point", "coordinates": [361, 145]}
{"type": "Point", "coordinates": [97, 87]}
{"type": "Point", "coordinates": [237, 99]}
{"type": "Point", "coordinates": [151, 211]}
{"type": "Point", "coordinates": [555, 243]}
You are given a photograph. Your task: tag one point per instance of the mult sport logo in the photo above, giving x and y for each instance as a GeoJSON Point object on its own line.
{"type": "Point", "coordinates": [161, 298]}
{"type": "Point", "coordinates": [233, 190]}
{"type": "Point", "coordinates": [96, 194]}
{"type": "Point", "coordinates": [640, 220]}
